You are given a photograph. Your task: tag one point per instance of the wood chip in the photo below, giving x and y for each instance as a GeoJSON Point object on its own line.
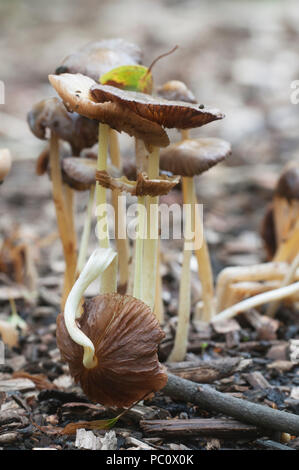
{"type": "Point", "coordinates": [16, 385]}
{"type": "Point", "coordinates": [257, 380]}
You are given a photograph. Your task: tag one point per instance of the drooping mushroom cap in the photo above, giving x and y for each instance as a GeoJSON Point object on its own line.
{"type": "Point", "coordinates": [74, 89]}
{"type": "Point", "coordinates": [5, 163]}
{"type": "Point", "coordinates": [51, 114]}
{"type": "Point", "coordinates": [79, 173]}
{"type": "Point", "coordinates": [170, 114]}
{"type": "Point", "coordinates": [175, 90]}
{"type": "Point", "coordinates": [126, 336]}
{"type": "Point", "coordinates": [192, 157]}
{"type": "Point", "coordinates": [288, 184]}
{"type": "Point", "coordinates": [97, 58]}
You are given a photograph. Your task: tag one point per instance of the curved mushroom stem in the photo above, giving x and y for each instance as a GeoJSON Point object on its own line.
{"type": "Point", "coordinates": [109, 278]}
{"type": "Point", "coordinates": [151, 241]}
{"type": "Point", "coordinates": [119, 214]}
{"type": "Point", "coordinates": [260, 299]}
{"type": "Point", "coordinates": [181, 338]}
{"type": "Point", "coordinates": [98, 263]}
{"type": "Point", "coordinates": [62, 217]}
{"type": "Point", "coordinates": [86, 233]}
{"type": "Point", "coordinates": [286, 281]}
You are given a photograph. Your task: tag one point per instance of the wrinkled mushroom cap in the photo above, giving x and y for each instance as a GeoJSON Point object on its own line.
{"type": "Point", "coordinates": [175, 90]}
{"type": "Point", "coordinates": [192, 157]}
{"type": "Point", "coordinates": [5, 163]}
{"type": "Point", "coordinates": [79, 173]}
{"type": "Point", "coordinates": [74, 89]}
{"type": "Point", "coordinates": [170, 114]}
{"type": "Point", "coordinates": [51, 114]}
{"type": "Point", "coordinates": [97, 58]}
{"type": "Point", "coordinates": [288, 184]}
{"type": "Point", "coordinates": [126, 336]}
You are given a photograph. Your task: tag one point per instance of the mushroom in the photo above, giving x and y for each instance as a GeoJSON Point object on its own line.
{"type": "Point", "coordinates": [189, 158]}
{"type": "Point", "coordinates": [96, 58]}
{"type": "Point", "coordinates": [286, 214]}
{"type": "Point", "coordinates": [5, 164]}
{"type": "Point", "coordinates": [111, 348]}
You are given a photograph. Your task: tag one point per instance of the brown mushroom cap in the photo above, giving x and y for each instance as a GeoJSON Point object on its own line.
{"type": "Point", "coordinates": [126, 336]}
{"type": "Point", "coordinates": [288, 184]}
{"type": "Point", "coordinates": [267, 232]}
{"type": "Point", "coordinates": [42, 162]}
{"type": "Point", "coordinates": [97, 58]}
{"type": "Point", "coordinates": [170, 114]}
{"type": "Point", "coordinates": [79, 173]}
{"type": "Point", "coordinates": [5, 163]}
{"type": "Point", "coordinates": [51, 113]}
{"type": "Point", "coordinates": [192, 157]}
{"type": "Point", "coordinates": [74, 89]}
{"type": "Point", "coordinates": [175, 90]}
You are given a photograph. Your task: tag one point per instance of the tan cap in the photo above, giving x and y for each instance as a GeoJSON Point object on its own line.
{"type": "Point", "coordinates": [175, 90]}
{"type": "Point", "coordinates": [288, 184]}
{"type": "Point", "coordinates": [170, 114]}
{"type": "Point", "coordinates": [126, 336]}
{"type": "Point", "coordinates": [51, 114]}
{"type": "Point", "coordinates": [192, 157]}
{"type": "Point", "coordinates": [97, 58]}
{"type": "Point", "coordinates": [74, 89]}
{"type": "Point", "coordinates": [79, 173]}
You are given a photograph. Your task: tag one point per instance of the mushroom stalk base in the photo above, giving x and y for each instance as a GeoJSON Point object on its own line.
{"type": "Point", "coordinates": [208, 398]}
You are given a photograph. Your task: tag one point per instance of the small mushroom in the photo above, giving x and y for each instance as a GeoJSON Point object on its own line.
{"type": "Point", "coordinates": [190, 158]}
{"type": "Point", "coordinates": [111, 348]}
{"type": "Point", "coordinates": [79, 173]}
{"type": "Point", "coordinates": [51, 114]}
{"type": "Point", "coordinates": [96, 58]}
{"type": "Point", "coordinates": [175, 90]}
{"type": "Point", "coordinates": [5, 164]}
{"type": "Point", "coordinates": [286, 214]}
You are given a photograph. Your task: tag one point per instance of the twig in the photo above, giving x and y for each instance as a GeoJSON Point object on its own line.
{"type": "Point", "coordinates": [243, 410]}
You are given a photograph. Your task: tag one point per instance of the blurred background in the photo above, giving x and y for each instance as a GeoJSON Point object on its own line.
{"type": "Point", "coordinates": [239, 56]}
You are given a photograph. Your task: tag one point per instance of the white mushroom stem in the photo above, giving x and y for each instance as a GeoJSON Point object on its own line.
{"type": "Point", "coordinates": [97, 264]}
{"type": "Point", "coordinates": [86, 232]}
{"type": "Point", "coordinates": [181, 338]}
{"type": "Point", "coordinates": [257, 272]}
{"type": "Point", "coordinates": [119, 212]}
{"type": "Point", "coordinates": [109, 279]}
{"type": "Point", "coordinates": [257, 300]}
{"type": "Point", "coordinates": [62, 217]}
{"type": "Point", "coordinates": [159, 307]}
{"type": "Point", "coordinates": [151, 241]}
{"type": "Point", "coordinates": [289, 277]}
{"type": "Point", "coordinates": [139, 245]}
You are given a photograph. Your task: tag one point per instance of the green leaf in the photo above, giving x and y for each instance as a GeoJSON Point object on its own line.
{"type": "Point", "coordinates": [129, 77]}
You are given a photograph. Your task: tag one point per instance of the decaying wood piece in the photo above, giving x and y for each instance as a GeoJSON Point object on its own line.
{"type": "Point", "coordinates": [243, 410]}
{"type": "Point", "coordinates": [199, 427]}
{"type": "Point", "coordinates": [205, 372]}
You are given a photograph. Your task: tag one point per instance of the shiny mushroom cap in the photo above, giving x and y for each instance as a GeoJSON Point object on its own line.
{"type": "Point", "coordinates": [192, 157]}
{"type": "Point", "coordinates": [175, 90]}
{"type": "Point", "coordinates": [126, 336]}
{"type": "Point", "coordinates": [97, 58]}
{"type": "Point", "coordinates": [169, 114]}
{"type": "Point", "coordinates": [288, 184]}
{"type": "Point", "coordinates": [5, 163]}
{"type": "Point", "coordinates": [51, 114]}
{"type": "Point", "coordinates": [74, 89]}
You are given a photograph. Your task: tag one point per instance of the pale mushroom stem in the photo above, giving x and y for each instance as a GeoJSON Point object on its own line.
{"type": "Point", "coordinates": [289, 248]}
{"type": "Point", "coordinates": [139, 244]}
{"type": "Point", "coordinates": [181, 338]}
{"type": "Point", "coordinates": [62, 218]}
{"type": "Point", "coordinates": [119, 214]}
{"type": "Point", "coordinates": [260, 299]}
{"type": "Point", "coordinates": [289, 277]}
{"type": "Point", "coordinates": [205, 272]}
{"type": "Point", "coordinates": [109, 278]}
{"type": "Point", "coordinates": [70, 207]}
{"type": "Point", "coordinates": [86, 233]}
{"type": "Point", "coordinates": [151, 241]}
{"type": "Point", "coordinates": [159, 307]}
